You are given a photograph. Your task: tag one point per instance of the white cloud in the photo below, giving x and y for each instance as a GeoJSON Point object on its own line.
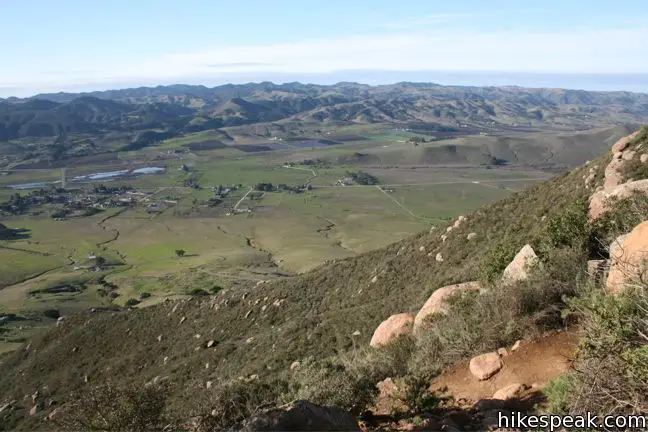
{"type": "Point", "coordinates": [578, 50]}
{"type": "Point", "coordinates": [424, 20]}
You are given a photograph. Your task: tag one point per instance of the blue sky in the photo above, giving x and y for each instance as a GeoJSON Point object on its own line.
{"type": "Point", "coordinates": [73, 45]}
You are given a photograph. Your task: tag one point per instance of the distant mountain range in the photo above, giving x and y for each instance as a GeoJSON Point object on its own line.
{"type": "Point", "coordinates": [268, 107]}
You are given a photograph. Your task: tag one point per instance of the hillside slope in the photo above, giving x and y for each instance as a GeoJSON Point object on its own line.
{"type": "Point", "coordinates": [563, 150]}
{"type": "Point", "coordinates": [294, 104]}
{"type": "Point", "coordinates": [331, 310]}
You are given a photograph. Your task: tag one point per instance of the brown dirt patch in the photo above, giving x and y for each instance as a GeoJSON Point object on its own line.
{"type": "Point", "coordinates": [534, 363]}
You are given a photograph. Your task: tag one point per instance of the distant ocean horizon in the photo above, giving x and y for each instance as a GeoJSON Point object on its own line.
{"type": "Point", "coordinates": [634, 82]}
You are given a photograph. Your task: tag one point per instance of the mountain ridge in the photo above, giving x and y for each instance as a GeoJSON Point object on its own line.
{"type": "Point", "coordinates": [185, 108]}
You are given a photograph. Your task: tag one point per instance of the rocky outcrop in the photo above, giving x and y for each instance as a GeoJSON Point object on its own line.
{"type": "Point", "coordinates": [628, 155]}
{"type": "Point", "coordinates": [616, 244]}
{"type": "Point", "coordinates": [435, 304]}
{"type": "Point", "coordinates": [613, 176]}
{"type": "Point", "coordinates": [392, 327]}
{"type": "Point", "coordinates": [590, 177]}
{"type": "Point", "coordinates": [629, 260]}
{"type": "Point", "coordinates": [613, 183]}
{"type": "Point", "coordinates": [300, 415]}
{"type": "Point", "coordinates": [460, 220]}
{"type": "Point", "coordinates": [519, 269]}
{"type": "Point", "coordinates": [485, 366]}
{"type": "Point", "coordinates": [624, 142]}
{"type": "Point", "coordinates": [599, 200]}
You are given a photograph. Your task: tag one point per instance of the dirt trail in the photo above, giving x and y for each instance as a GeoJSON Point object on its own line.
{"type": "Point", "coordinates": [472, 408]}
{"type": "Point", "coordinates": [302, 169]}
{"type": "Point", "coordinates": [534, 363]}
{"type": "Point", "coordinates": [241, 200]}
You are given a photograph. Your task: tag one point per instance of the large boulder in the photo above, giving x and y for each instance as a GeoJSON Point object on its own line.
{"type": "Point", "coordinates": [519, 268]}
{"type": "Point", "coordinates": [629, 261]}
{"type": "Point", "coordinates": [394, 326]}
{"type": "Point", "coordinates": [598, 201]}
{"type": "Point", "coordinates": [436, 303]}
{"type": "Point", "coordinates": [613, 176]}
{"type": "Point", "coordinates": [300, 415]}
{"type": "Point", "coordinates": [597, 204]}
{"type": "Point", "coordinates": [628, 155]}
{"type": "Point", "coordinates": [616, 244]}
{"type": "Point", "coordinates": [485, 366]}
{"type": "Point", "coordinates": [624, 142]}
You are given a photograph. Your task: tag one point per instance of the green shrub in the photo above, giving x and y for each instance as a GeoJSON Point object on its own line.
{"type": "Point", "coordinates": [198, 292]}
{"type": "Point", "coordinates": [418, 396]}
{"type": "Point", "coordinates": [144, 295]}
{"type": "Point", "coordinates": [636, 365]}
{"type": "Point", "coordinates": [569, 228]}
{"type": "Point", "coordinates": [635, 170]}
{"type": "Point", "coordinates": [642, 137]}
{"type": "Point", "coordinates": [560, 393]}
{"type": "Point", "coordinates": [613, 360]}
{"type": "Point", "coordinates": [52, 313]}
{"type": "Point", "coordinates": [346, 383]}
{"type": "Point", "coordinates": [132, 302]}
{"type": "Point", "coordinates": [497, 258]}
{"type": "Point", "coordinates": [623, 215]}
{"type": "Point", "coordinates": [233, 401]}
{"type": "Point", "coordinates": [350, 385]}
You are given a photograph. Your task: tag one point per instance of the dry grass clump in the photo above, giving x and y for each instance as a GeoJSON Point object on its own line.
{"type": "Point", "coordinates": [113, 408]}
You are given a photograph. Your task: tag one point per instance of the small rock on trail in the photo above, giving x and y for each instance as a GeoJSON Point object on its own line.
{"type": "Point", "coordinates": [485, 366]}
